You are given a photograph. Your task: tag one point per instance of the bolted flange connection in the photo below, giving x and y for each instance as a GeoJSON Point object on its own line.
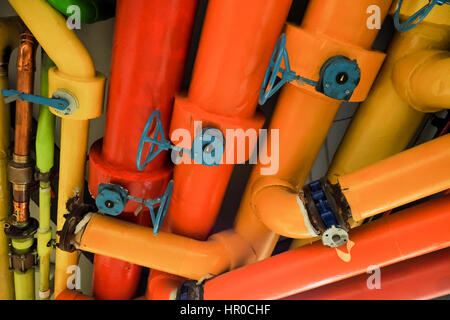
{"type": "Point", "coordinates": [328, 211]}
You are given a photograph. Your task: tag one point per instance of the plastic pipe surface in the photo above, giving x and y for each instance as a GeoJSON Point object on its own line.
{"type": "Point", "coordinates": [166, 252]}
{"type": "Point", "coordinates": [423, 79]}
{"type": "Point", "coordinates": [404, 235]}
{"type": "Point", "coordinates": [385, 123]}
{"type": "Point", "coordinates": [411, 175]}
{"type": "Point", "coordinates": [422, 278]}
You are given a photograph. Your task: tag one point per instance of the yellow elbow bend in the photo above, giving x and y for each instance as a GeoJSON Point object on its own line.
{"type": "Point", "coordinates": [423, 79]}
{"type": "Point", "coordinates": [59, 42]}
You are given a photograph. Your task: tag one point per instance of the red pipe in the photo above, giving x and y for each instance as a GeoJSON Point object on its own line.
{"type": "Point", "coordinates": [151, 40]}
{"type": "Point", "coordinates": [237, 41]}
{"type": "Point", "coordinates": [404, 235]}
{"type": "Point", "coordinates": [423, 278]}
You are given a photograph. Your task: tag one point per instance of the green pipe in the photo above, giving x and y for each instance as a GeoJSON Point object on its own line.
{"type": "Point", "coordinates": [44, 162]}
{"type": "Point", "coordinates": [24, 281]}
{"type": "Point", "coordinates": [91, 10]}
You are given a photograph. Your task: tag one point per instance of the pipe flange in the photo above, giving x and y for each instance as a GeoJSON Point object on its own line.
{"type": "Point", "coordinates": [27, 230]}
{"type": "Point", "coordinates": [335, 237]}
{"type": "Point", "coordinates": [66, 95]}
{"type": "Point", "coordinates": [191, 290]}
{"type": "Point", "coordinates": [68, 232]}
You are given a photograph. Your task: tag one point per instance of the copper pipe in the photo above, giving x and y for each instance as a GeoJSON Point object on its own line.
{"type": "Point", "coordinates": [26, 65]}
{"type": "Point", "coordinates": [25, 83]}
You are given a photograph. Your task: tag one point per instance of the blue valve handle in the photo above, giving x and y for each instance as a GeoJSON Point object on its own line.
{"type": "Point", "coordinates": [112, 199]}
{"type": "Point", "coordinates": [417, 17]}
{"type": "Point", "coordinates": [163, 203]}
{"type": "Point", "coordinates": [12, 95]}
{"type": "Point", "coordinates": [269, 88]}
{"type": "Point", "coordinates": [162, 143]}
{"type": "Point", "coordinates": [159, 140]}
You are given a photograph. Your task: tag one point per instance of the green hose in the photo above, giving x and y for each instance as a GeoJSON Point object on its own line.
{"type": "Point", "coordinates": [44, 162]}
{"type": "Point", "coordinates": [91, 10]}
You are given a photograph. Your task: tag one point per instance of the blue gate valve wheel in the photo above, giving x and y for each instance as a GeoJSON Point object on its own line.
{"type": "Point", "coordinates": [339, 77]}
{"type": "Point", "coordinates": [158, 140]}
{"type": "Point", "coordinates": [417, 17]}
{"type": "Point", "coordinates": [269, 87]}
{"type": "Point", "coordinates": [164, 202]}
{"type": "Point", "coordinates": [207, 148]}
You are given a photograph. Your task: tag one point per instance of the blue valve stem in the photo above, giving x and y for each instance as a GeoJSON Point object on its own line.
{"type": "Point", "coordinates": [12, 95]}
{"type": "Point", "coordinates": [417, 17]}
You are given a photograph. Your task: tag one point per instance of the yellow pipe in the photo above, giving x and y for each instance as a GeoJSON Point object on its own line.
{"type": "Point", "coordinates": [408, 176]}
{"type": "Point", "coordinates": [71, 183]}
{"type": "Point", "coordinates": [423, 79]}
{"type": "Point", "coordinates": [167, 252]}
{"type": "Point", "coordinates": [10, 29]}
{"type": "Point", "coordinates": [385, 122]}
{"type": "Point", "coordinates": [75, 73]}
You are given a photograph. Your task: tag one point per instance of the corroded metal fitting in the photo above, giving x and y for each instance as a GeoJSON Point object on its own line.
{"type": "Point", "coordinates": [191, 290]}
{"type": "Point", "coordinates": [20, 171]}
{"type": "Point", "coordinates": [42, 176]}
{"type": "Point", "coordinates": [24, 261]}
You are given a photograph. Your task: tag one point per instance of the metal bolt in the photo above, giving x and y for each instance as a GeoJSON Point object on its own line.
{"type": "Point", "coordinates": [109, 204]}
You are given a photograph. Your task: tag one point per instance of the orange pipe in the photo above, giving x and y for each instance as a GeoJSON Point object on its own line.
{"type": "Point", "coordinates": [304, 116]}
{"type": "Point", "coordinates": [167, 252]}
{"type": "Point", "coordinates": [423, 278]}
{"type": "Point", "coordinates": [222, 95]}
{"type": "Point", "coordinates": [413, 174]}
{"type": "Point", "coordinates": [162, 286]}
{"type": "Point", "coordinates": [404, 235]}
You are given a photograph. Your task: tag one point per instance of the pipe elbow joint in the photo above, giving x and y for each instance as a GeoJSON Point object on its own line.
{"type": "Point", "coordinates": [278, 205]}
{"type": "Point", "coordinates": [423, 80]}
